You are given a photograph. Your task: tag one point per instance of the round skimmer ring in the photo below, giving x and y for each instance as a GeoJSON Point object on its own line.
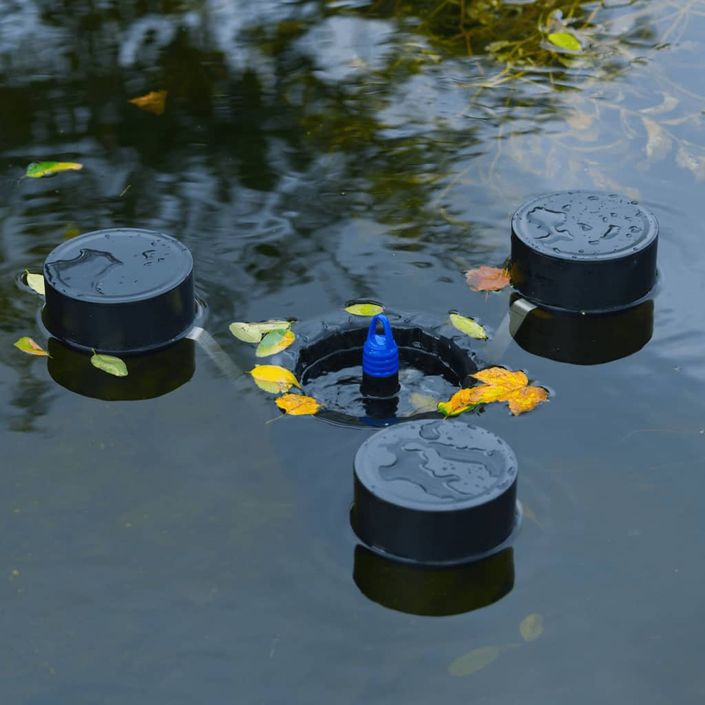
{"type": "Point", "coordinates": [583, 251]}
{"type": "Point", "coordinates": [121, 291]}
{"type": "Point", "coordinates": [434, 491]}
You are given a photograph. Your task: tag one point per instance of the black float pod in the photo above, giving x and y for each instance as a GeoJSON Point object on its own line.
{"type": "Point", "coordinates": [380, 370]}
{"type": "Point", "coordinates": [584, 265]}
{"type": "Point", "coordinates": [126, 292]}
{"type": "Point", "coordinates": [434, 507]}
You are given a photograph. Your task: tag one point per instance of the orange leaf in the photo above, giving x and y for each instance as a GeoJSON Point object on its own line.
{"type": "Point", "coordinates": [487, 278]}
{"type": "Point", "coordinates": [297, 404]}
{"type": "Point", "coordinates": [526, 399]}
{"type": "Point", "coordinates": [499, 384]}
{"type": "Point", "coordinates": [153, 102]}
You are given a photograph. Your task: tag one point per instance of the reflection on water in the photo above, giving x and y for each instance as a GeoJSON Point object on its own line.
{"type": "Point", "coordinates": [169, 549]}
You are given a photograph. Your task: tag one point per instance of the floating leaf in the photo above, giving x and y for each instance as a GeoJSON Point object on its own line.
{"type": "Point", "coordinates": [35, 282]}
{"type": "Point", "coordinates": [565, 40]}
{"type": "Point", "coordinates": [487, 278]}
{"type": "Point", "coordinates": [253, 332]}
{"type": "Point", "coordinates": [110, 364]}
{"type": "Point", "coordinates": [29, 346]}
{"type": "Point", "coordinates": [298, 404]}
{"type": "Point", "coordinates": [531, 627]}
{"type": "Point", "coordinates": [275, 377]}
{"type": "Point", "coordinates": [152, 102]}
{"type": "Point", "coordinates": [499, 384]}
{"type": "Point", "coordinates": [364, 309]}
{"type": "Point", "coordinates": [658, 143]}
{"type": "Point", "coordinates": [422, 403]}
{"type": "Point", "coordinates": [468, 326]}
{"type": "Point", "coordinates": [275, 341]}
{"type": "Point", "coordinates": [38, 169]}
{"type": "Point", "coordinates": [473, 661]}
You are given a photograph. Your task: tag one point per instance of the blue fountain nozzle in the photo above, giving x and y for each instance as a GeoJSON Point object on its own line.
{"type": "Point", "coordinates": [380, 354]}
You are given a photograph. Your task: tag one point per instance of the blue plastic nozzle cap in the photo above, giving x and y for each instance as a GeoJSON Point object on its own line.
{"type": "Point", "coordinates": [380, 354]}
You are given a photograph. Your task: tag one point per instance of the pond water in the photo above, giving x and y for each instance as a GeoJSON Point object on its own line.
{"type": "Point", "coordinates": [182, 549]}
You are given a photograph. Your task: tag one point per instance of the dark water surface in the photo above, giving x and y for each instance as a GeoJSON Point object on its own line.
{"type": "Point", "coordinates": [180, 550]}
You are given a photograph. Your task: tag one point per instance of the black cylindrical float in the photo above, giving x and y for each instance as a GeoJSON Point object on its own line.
{"type": "Point", "coordinates": [433, 591]}
{"type": "Point", "coordinates": [434, 491]}
{"type": "Point", "coordinates": [120, 291]}
{"type": "Point", "coordinates": [583, 251]}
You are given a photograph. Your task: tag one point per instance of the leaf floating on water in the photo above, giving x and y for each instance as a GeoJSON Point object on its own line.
{"type": "Point", "coordinates": [35, 282]}
{"type": "Point", "coordinates": [565, 40]}
{"type": "Point", "coordinates": [29, 346]}
{"type": "Point", "coordinates": [422, 403]}
{"type": "Point", "coordinates": [658, 141]}
{"type": "Point", "coordinates": [487, 278]}
{"type": "Point", "coordinates": [364, 309]}
{"type": "Point", "coordinates": [38, 169]}
{"type": "Point", "coordinates": [110, 364]}
{"type": "Point", "coordinates": [253, 332]}
{"type": "Point", "coordinates": [298, 405]}
{"type": "Point", "coordinates": [274, 377]}
{"type": "Point", "coordinates": [468, 326]}
{"type": "Point", "coordinates": [531, 627]}
{"type": "Point", "coordinates": [499, 384]}
{"type": "Point", "coordinates": [473, 661]}
{"type": "Point", "coordinates": [152, 102]}
{"type": "Point", "coordinates": [275, 341]}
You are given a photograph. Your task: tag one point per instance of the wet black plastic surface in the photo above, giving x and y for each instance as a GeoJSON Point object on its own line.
{"type": "Point", "coordinates": [121, 290]}
{"type": "Point", "coordinates": [583, 250]}
{"type": "Point", "coordinates": [436, 491]}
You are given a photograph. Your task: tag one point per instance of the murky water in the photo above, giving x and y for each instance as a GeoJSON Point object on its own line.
{"type": "Point", "coordinates": [180, 549]}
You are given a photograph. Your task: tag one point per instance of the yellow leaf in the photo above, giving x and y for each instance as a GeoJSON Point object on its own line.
{"type": "Point", "coordinates": [487, 278]}
{"type": "Point", "coordinates": [275, 341]}
{"type": "Point", "coordinates": [499, 384]}
{"type": "Point", "coordinates": [38, 169]}
{"type": "Point", "coordinates": [531, 627]}
{"type": "Point", "coordinates": [152, 102]}
{"type": "Point", "coordinates": [298, 404]}
{"type": "Point", "coordinates": [564, 40]}
{"type": "Point", "coordinates": [29, 346]}
{"type": "Point", "coordinates": [35, 282]}
{"type": "Point", "coordinates": [364, 309]}
{"type": "Point", "coordinates": [269, 387]}
{"type": "Point", "coordinates": [473, 661]}
{"type": "Point", "coordinates": [253, 332]}
{"type": "Point", "coordinates": [468, 326]}
{"type": "Point", "coordinates": [275, 376]}
{"type": "Point", "coordinates": [109, 363]}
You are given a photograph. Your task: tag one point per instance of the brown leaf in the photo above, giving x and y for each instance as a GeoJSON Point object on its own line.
{"type": "Point", "coordinates": [487, 278]}
{"type": "Point", "coordinates": [153, 102]}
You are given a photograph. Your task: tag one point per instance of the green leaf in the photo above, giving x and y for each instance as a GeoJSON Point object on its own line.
{"type": "Point", "coordinates": [38, 169]}
{"type": "Point", "coordinates": [468, 326]}
{"type": "Point", "coordinates": [364, 309]}
{"type": "Point", "coordinates": [253, 332]}
{"type": "Point", "coordinates": [565, 40]}
{"type": "Point", "coordinates": [473, 661]}
{"type": "Point", "coordinates": [29, 346]}
{"type": "Point", "coordinates": [35, 282]}
{"type": "Point", "coordinates": [110, 364]}
{"type": "Point", "coordinates": [531, 627]}
{"type": "Point", "coordinates": [275, 341]}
